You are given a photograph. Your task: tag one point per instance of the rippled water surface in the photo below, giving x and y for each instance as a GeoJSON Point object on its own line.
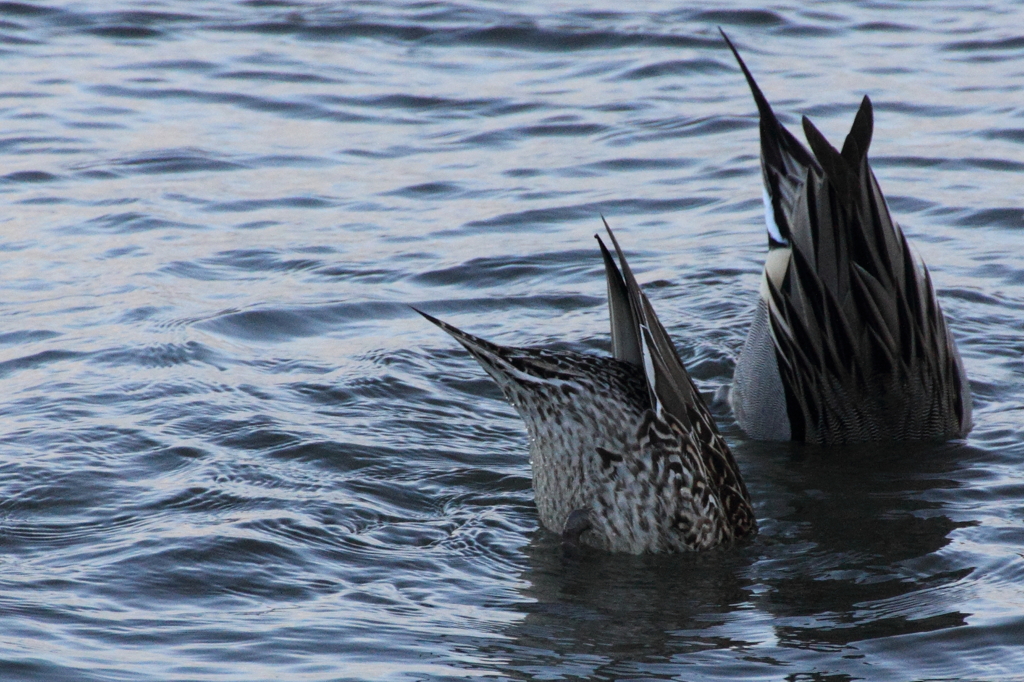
{"type": "Point", "coordinates": [230, 451]}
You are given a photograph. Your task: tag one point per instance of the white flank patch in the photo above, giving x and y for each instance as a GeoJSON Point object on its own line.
{"type": "Point", "coordinates": [769, 217]}
{"type": "Point", "coordinates": [645, 351]}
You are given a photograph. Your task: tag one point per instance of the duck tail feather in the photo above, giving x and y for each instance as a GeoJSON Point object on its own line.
{"type": "Point", "coordinates": [832, 162]}
{"type": "Point", "coordinates": [855, 149]}
{"type": "Point", "coordinates": [624, 326]}
{"type": "Point", "coordinates": [490, 355]}
{"type": "Point", "coordinates": [670, 386]}
{"type": "Point", "coordinates": [784, 160]}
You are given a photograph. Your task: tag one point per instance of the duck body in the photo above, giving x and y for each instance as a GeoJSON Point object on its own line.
{"type": "Point", "coordinates": [848, 342]}
{"type": "Point", "coordinates": [613, 465]}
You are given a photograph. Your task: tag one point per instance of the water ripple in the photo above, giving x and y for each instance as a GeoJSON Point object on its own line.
{"type": "Point", "coordinates": [231, 449]}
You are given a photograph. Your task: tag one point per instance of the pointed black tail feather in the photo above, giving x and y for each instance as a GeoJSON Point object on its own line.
{"type": "Point", "coordinates": [784, 160]}
{"type": "Point", "coordinates": [832, 162]}
{"type": "Point", "coordinates": [862, 349]}
{"type": "Point", "coordinates": [855, 149]}
{"type": "Point", "coordinates": [786, 140]}
{"type": "Point", "coordinates": [763, 107]}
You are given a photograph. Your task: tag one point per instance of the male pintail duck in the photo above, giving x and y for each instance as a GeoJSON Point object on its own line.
{"type": "Point", "coordinates": [625, 454]}
{"type": "Point", "coordinates": [848, 343]}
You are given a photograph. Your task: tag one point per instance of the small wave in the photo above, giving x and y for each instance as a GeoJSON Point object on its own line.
{"type": "Point", "coordinates": [228, 264]}
{"type": "Point", "coordinates": [291, 108]}
{"type": "Point", "coordinates": [741, 17]}
{"type": "Point", "coordinates": [274, 325]}
{"type": "Point", "coordinates": [27, 336]}
{"type": "Point", "coordinates": [679, 67]}
{"type": "Point", "coordinates": [29, 176]}
{"type": "Point", "coordinates": [175, 161]}
{"type": "Point", "coordinates": [128, 222]}
{"type": "Point", "coordinates": [37, 360]}
{"type": "Point", "coordinates": [275, 77]}
{"type": "Point", "coordinates": [993, 217]}
{"type": "Point", "coordinates": [246, 205]}
{"type": "Point", "coordinates": [161, 355]}
{"type": "Point", "coordinates": [995, 45]}
{"type": "Point", "coordinates": [429, 190]}
{"type": "Point", "coordinates": [487, 272]}
{"type": "Point", "coordinates": [565, 214]}
{"type": "Point", "coordinates": [1011, 134]}
{"type": "Point", "coordinates": [520, 36]}
{"type": "Point", "coordinates": [125, 32]}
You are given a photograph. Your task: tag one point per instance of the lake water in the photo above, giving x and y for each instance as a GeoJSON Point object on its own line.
{"type": "Point", "coordinates": [230, 451]}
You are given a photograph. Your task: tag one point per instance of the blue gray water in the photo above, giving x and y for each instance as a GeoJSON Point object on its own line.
{"type": "Point", "coordinates": [230, 451]}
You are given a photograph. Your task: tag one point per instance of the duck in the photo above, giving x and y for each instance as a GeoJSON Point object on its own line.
{"type": "Point", "coordinates": [625, 455]}
{"type": "Point", "coordinates": [848, 343]}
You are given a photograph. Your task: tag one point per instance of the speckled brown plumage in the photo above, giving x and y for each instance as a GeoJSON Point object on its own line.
{"type": "Point", "coordinates": [630, 444]}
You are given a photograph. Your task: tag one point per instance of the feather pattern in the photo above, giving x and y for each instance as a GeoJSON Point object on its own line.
{"type": "Point", "coordinates": [861, 348]}
{"type": "Point", "coordinates": [628, 440]}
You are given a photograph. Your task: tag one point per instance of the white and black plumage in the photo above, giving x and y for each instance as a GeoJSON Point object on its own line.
{"type": "Point", "coordinates": [848, 342]}
{"type": "Point", "coordinates": [625, 455]}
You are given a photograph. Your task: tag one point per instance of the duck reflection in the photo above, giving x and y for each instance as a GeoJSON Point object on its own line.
{"type": "Point", "coordinates": [855, 549]}
{"type": "Point", "coordinates": [852, 548]}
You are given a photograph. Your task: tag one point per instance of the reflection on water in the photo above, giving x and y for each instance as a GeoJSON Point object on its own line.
{"type": "Point", "coordinates": [852, 554]}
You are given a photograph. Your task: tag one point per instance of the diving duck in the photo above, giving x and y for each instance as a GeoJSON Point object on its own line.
{"type": "Point", "coordinates": [848, 342]}
{"type": "Point", "coordinates": [625, 455]}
